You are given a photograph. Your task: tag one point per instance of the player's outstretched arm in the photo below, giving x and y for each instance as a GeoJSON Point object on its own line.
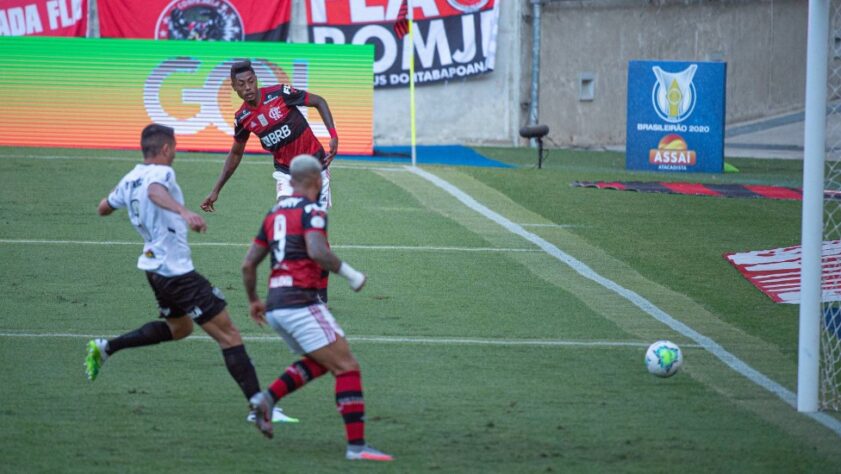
{"type": "Point", "coordinates": [318, 250]}
{"type": "Point", "coordinates": [231, 164]}
{"type": "Point", "coordinates": [256, 307]}
{"type": "Point", "coordinates": [324, 110]}
{"type": "Point", "coordinates": [104, 208]}
{"type": "Point", "coordinates": [159, 195]}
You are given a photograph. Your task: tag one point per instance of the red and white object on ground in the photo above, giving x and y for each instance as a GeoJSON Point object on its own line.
{"type": "Point", "coordinates": [776, 272]}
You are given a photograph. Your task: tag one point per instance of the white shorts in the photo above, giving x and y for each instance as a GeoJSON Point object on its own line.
{"type": "Point", "coordinates": [284, 187]}
{"type": "Point", "coordinates": [305, 329]}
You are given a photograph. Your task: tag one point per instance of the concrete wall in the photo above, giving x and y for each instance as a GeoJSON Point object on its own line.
{"type": "Point", "coordinates": [763, 43]}
{"type": "Point", "coordinates": [484, 109]}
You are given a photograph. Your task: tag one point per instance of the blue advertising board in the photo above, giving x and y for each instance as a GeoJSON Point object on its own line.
{"type": "Point", "coordinates": [676, 116]}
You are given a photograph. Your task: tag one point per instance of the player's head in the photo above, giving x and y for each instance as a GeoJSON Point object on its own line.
{"type": "Point", "coordinates": [305, 171]}
{"type": "Point", "coordinates": [244, 80]}
{"type": "Point", "coordinates": [157, 141]}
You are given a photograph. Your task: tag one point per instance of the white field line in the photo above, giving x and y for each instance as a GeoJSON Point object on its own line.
{"type": "Point", "coordinates": [557, 226]}
{"type": "Point", "coordinates": [236, 244]}
{"type": "Point", "coordinates": [581, 268]}
{"type": "Point", "coordinates": [447, 341]}
{"type": "Point", "coordinates": [383, 167]}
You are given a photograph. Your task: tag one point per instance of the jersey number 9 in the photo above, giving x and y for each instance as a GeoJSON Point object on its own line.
{"type": "Point", "coordinates": [279, 238]}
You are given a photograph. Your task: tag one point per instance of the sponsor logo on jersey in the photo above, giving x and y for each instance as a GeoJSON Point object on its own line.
{"type": "Point", "coordinates": [672, 151]}
{"type": "Point", "coordinates": [202, 20]}
{"type": "Point", "coordinates": [165, 311]}
{"type": "Point", "coordinates": [468, 6]}
{"type": "Point", "coordinates": [275, 114]}
{"type": "Point", "coordinates": [276, 137]}
{"type": "Point", "coordinates": [262, 119]}
{"type": "Point", "coordinates": [282, 281]}
{"type": "Point", "coordinates": [287, 89]}
{"type": "Point", "coordinates": [673, 95]}
{"type": "Point", "coordinates": [196, 312]}
{"type": "Point", "coordinates": [289, 202]}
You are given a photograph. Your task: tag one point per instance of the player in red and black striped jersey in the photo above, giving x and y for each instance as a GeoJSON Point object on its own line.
{"type": "Point", "coordinates": [296, 280]}
{"type": "Point", "coordinates": [272, 114]}
{"type": "Point", "coordinates": [295, 234]}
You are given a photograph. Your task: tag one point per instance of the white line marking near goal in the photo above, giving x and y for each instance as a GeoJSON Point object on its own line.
{"type": "Point", "coordinates": [557, 226]}
{"type": "Point", "coordinates": [703, 341]}
{"type": "Point", "coordinates": [383, 167]}
{"type": "Point", "coordinates": [243, 245]}
{"type": "Point", "coordinates": [447, 341]}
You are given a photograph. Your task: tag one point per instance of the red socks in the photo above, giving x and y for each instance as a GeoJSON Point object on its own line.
{"type": "Point", "coordinates": [351, 405]}
{"type": "Point", "coordinates": [295, 377]}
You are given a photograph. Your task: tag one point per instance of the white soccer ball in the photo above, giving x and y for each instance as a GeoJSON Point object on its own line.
{"type": "Point", "coordinates": [663, 358]}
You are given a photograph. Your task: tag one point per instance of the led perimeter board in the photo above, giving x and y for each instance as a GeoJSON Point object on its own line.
{"type": "Point", "coordinates": [100, 93]}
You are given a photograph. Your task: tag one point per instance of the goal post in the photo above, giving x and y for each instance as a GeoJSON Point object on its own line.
{"type": "Point", "coordinates": [808, 366]}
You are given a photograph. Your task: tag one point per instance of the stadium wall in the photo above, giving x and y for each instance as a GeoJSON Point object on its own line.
{"type": "Point", "coordinates": [762, 41]}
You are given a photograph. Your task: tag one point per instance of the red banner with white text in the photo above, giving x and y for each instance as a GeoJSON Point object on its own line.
{"type": "Point", "coordinates": [43, 17]}
{"type": "Point", "coordinates": [203, 20]}
{"type": "Point", "coordinates": [453, 39]}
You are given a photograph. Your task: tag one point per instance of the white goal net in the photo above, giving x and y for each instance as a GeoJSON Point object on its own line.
{"type": "Point", "coordinates": [830, 359]}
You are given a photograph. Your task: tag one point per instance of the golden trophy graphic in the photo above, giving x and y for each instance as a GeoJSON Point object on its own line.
{"type": "Point", "coordinates": [673, 95]}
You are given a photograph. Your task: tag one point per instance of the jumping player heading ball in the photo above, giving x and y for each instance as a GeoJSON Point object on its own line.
{"type": "Point", "coordinates": [272, 114]}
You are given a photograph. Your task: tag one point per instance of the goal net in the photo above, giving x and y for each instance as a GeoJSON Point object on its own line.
{"type": "Point", "coordinates": [830, 334]}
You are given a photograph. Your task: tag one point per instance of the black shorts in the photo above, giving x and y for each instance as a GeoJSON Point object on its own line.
{"type": "Point", "coordinates": [189, 294]}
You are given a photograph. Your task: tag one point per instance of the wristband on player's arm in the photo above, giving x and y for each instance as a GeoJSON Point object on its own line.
{"type": "Point", "coordinates": [355, 278]}
{"type": "Point", "coordinates": [333, 133]}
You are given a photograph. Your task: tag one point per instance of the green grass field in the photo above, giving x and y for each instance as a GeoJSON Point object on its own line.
{"type": "Point", "coordinates": [479, 351]}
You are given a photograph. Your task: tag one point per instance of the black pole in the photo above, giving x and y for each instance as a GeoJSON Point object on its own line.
{"type": "Point", "coordinates": [539, 153]}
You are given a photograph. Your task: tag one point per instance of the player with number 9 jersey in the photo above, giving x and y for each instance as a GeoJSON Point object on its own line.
{"type": "Point", "coordinates": [296, 280]}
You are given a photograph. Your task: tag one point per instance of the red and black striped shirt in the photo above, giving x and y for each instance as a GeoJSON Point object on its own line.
{"type": "Point", "coordinates": [281, 127]}
{"type": "Point", "coordinates": [296, 280]}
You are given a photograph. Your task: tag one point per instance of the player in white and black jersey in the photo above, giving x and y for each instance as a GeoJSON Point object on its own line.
{"type": "Point", "coordinates": [156, 209]}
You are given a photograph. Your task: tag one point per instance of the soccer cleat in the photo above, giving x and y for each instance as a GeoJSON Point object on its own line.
{"type": "Point", "coordinates": [95, 357]}
{"type": "Point", "coordinates": [366, 453]}
{"type": "Point", "coordinates": [277, 416]}
{"type": "Point", "coordinates": [262, 413]}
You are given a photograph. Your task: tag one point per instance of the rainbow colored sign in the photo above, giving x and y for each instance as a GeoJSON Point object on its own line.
{"type": "Point", "coordinates": [100, 93]}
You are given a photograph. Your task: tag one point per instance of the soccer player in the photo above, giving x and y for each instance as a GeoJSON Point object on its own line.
{"type": "Point", "coordinates": [156, 210]}
{"type": "Point", "coordinates": [272, 114]}
{"type": "Point", "coordinates": [295, 234]}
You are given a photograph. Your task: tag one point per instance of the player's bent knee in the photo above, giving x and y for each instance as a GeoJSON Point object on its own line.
{"type": "Point", "coordinates": [348, 364]}
{"type": "Point", "coordinates": [180, 327]}
{"type": "Point", "coordinates": [222, 330]}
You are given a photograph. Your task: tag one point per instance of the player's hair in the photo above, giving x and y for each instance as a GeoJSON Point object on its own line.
{"type": "Point", "coordinates": [154, 137]}
{"type": "Point", "coordinates": [304, 167]}
{"type": "Point", "coordinates": [240, 66]}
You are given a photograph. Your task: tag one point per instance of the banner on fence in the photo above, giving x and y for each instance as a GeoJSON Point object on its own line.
{"type": "Point", "coordinates": [454, 39]}
{"type": "Point", "coordinates": [213, 20]}
{"type": "Point", "coordinates": [43, 17]}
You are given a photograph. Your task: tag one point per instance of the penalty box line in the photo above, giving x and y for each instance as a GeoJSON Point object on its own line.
{"type": "Point", "coordinates": [447, 341]}
{"type": "Point", "coordinates": [636, 299]}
